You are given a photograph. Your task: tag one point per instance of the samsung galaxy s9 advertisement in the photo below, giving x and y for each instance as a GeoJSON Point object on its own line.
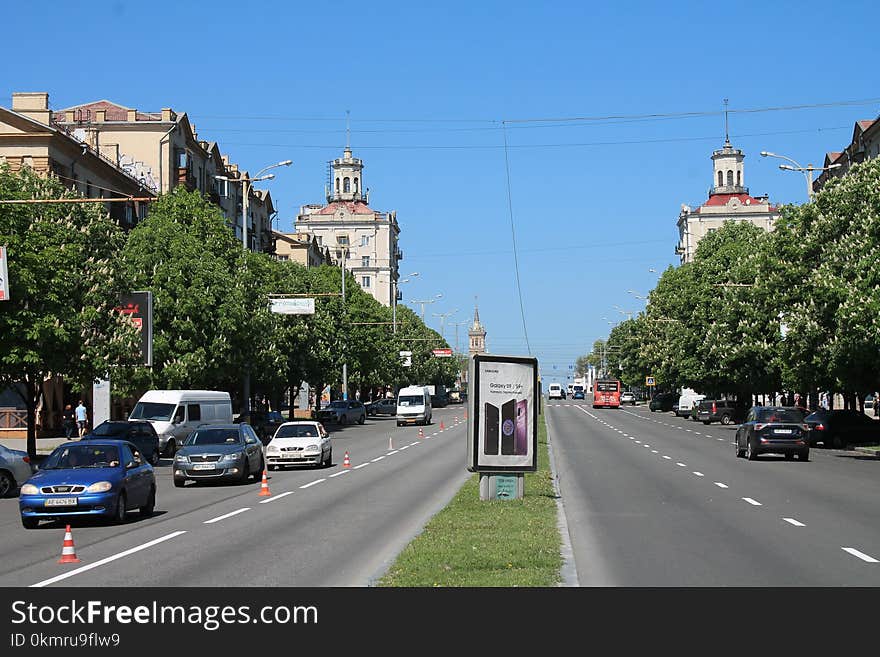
{"type": "Point", "coordinates": [502, 429]}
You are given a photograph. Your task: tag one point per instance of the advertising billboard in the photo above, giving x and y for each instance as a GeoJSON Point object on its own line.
{"type": "Point", "coordinates": [502, 414]}
{"type": "Point", "coordinates": [139, 307]}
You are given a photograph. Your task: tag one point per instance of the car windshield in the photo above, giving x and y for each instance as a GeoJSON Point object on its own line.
{"type": "Point", "coordinates": [107, 429]}
{"type": "Point", "coordinates": [82, 456]}
{"type": "Point", "coordinates": [297, 431]}
{"type": "Point", "coordinates": [213, 437]}
{"type": "Point", "coordinates": [780, 415]}
{"type": "Point", "coordinates": [410, 400]}
{"type": "Point", "coordinates": [152, 411]}
{"type": "Point", "coordinates": [338, 404]}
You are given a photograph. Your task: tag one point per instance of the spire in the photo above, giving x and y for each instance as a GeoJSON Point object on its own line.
{"type": "Point", "coordinates": [348, 133]}
{"type": "Point", "coordinates": [726, 126]}
{"type": "Point", "coordinates": [476, 326]}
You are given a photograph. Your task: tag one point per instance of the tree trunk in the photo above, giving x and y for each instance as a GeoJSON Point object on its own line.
{"type": "Point", "coordinates": [31, 398]}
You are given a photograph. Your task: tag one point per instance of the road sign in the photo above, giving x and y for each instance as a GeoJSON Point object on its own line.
{"type": "Point", "coordinates": [649, 381]}
{"type": "Point", "coordinates": [442, 353]}
{"type": "Point", "coordinates": [293, 306]}
{"type": "Point", "coordinates": [406, 358]}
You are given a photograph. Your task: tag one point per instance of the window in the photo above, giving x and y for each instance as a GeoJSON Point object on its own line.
{"type": "Point", "coordinates": [194, 411]}
{"type": "Point", "coordinates": [342, 240]}
{"type": "Point", "coordinates": [222, 188]}
{"type": "Point", "coordinates": [730, 178]}
{"type": "Point", "coordinates": [739, 176]}
{"type": "Point", "coordinates": [346, 185]}
{"type": "Point", "coordinates": [365, 261]}
{"type": "Point", "coordinates": [365, 240]}
{"type": "Point", "coordinates": [355, 185]}
{"type": "Point", "coordinates": [365, 281]}
{"type": "Point", "coordinates": [720, 179]}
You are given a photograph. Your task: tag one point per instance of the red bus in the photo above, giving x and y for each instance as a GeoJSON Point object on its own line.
{"type": "Point", "coordinates": [606, 393]}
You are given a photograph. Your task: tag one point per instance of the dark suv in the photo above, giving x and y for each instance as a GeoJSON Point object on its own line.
{"type": "Point", "coordinates": [725, 411]}
{"type": "Point", "coordinates": [663, 401]}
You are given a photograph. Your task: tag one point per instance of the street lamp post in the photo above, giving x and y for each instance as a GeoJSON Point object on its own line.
{"type": "Point", "coordinates": [443, 317]}
{"type": "Point", "coordinates": [245, 194]}
{"type": "Point", "coordinates": [345, 251]}
{"type": "Point", "coordinates": [424, 302]}
{"type": "Point", "coordinates": [394, 303]}
{"type": "Point", "coordinates": [807, 170]}
{"type": "Point", "coordinates": [456, 325]}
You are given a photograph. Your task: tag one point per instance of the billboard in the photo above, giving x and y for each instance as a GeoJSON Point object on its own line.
{"type": "Point", "coordinates": [4, 276]}
{"type": "Point", "coordinates": [442, 353]}
{"type": "Point", "coordinates": [502, 414]}
{"type": "Point", "coordinates": [293, 306]}
{"type": "Point", "coordinates": [139, 307]}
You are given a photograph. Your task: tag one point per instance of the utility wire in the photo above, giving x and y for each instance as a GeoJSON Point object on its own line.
{"type": "Point", "coordinates": [522, 311]}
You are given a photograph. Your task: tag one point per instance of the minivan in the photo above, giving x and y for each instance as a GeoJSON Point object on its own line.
{"type": "Point", "coordinates": [554, 391]}
{"type": "Point", "coordinates": [175, 413]}
{"type": "Point", "coordinates": [414, 405]}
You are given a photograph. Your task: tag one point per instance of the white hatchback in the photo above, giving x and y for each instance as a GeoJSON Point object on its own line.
{"type": "Point", "coordinates": [303, 442]}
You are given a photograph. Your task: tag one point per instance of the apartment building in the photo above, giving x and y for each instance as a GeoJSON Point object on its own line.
{"type": "Point", "coordinates": [864, 145]}
{"type": "Point", "coordinates": [301, 248]}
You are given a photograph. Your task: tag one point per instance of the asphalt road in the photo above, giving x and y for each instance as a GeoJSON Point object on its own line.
{"type": "Point", "coordinates": [655, 500]}
{"type": "Point", "coordinates": [320, 527]}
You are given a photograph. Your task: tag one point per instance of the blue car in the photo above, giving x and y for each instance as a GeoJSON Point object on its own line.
{"type": "Point", "coordinates": [103, 478]}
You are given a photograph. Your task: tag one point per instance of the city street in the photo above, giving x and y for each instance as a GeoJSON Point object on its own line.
{"type": "Point", "coordinates": [320, 527]}
{"type": "Point", "coordinates": [656, 500]}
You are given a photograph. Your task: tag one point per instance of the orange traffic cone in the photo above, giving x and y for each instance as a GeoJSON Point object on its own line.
{"type": "Point", "coordinates": [465, 415]}
{"type": "Point", "coordinates": [346, 463]}
{"type": "Point", "coordinates": [68, 552]}
{"type": "Point", "coordinates": [421, 433]}
{"type": "Point", "coordinates": [442, 428]}
{"type": "Point", "coordinates": [264, 487]}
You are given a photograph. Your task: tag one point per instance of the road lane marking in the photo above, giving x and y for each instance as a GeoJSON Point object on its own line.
{"type": "Point", "coordinates": [378, 458]}
{"type": "Point", "coordinates": [684, 465]}
{"type": "Point", "coordinates": [394, 452]}
{"type": "Point", "coordinates": [794, 522]}
{"type": "Point", "coordinates": [411, 444]}
{"type": "Point", "coordinates": [279, 496]}
{"type": "Point", "coordinates": [752, 502]}
{"type": "Point", "coordinates": [341, 472]}
{"type": "Point", "coordinates": [860, 555]}
{"type": "Point", "coordinates": [667, 457]}
{"type": "Point", "coordinates": [362, 465]}
{"type": "Point", "coordinates": [97, 564]}
{"type": "Point", "coordinates": [312, 483]}
{"type": "Point", "coordinates": [699, 474]}
{"type": "Point", "coordinates": [720, 485]}
{"type": "Point", "coordinates": [227, 515]}
{"type": "Point", "coordinates": [404, 447]}
{"type": "Point", "coordinates": [653, 451]}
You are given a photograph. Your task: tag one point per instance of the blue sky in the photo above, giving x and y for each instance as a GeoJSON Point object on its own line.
{"type": "Point", "coordinates": [432, 93]}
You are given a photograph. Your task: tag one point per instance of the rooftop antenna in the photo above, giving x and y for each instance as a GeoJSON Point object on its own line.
{"type": "Point", "coordinates": [347, 130]}
{"type": "Point", "coordinates": [726, 128]}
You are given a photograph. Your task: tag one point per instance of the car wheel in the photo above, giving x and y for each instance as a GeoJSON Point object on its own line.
{"type": "Point", "coordinates": [751, 452]}
{"type": "Point", "coordinates": [804, 455]}
{"type": "Point", "coordinates": [330, 458]}
{"type": "Point", "coordinates": [154, 458]}
{"type": "Point", "coordinates": [243, 477]}
{"type": "Point", "coordinates": [740, 452]}
{"type": "Point", "coordinates": [29, 523]}
{"type": "Point", "coordinates": [271, 468]}
{"type": "Point", "coordinates": [362, 420]}
{"type": "Point", "coordinates": [147, 509]}
{"type": "Point", "coordinates": [343, 420]}
{"type": "Point", "coordinates": [837, 442]}
{"type": "Point", "coordinates": [170, 448]}
{"type": "Point", "coordinates": [725, 419]}
{"type": "Point", "coordinates": [258, 475]}
{"type": "Point", "coordinates": [7, 483]}
{"type": "Point", "coordinates": [789, 456]}
{"type": "Point", "coordinates": [707, 422]}
{"type": "Point", "coordinates": [121, 502]}
{"type": "Point", "coordinates": [179, 482]}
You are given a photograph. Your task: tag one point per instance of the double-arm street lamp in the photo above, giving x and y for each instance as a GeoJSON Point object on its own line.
{"type": "Point", "coordinates": [397, 285]}
{"type": "Point", "coordinates": [424, 302]}
{"type": "Point", "coordinates": [443, 317]}
{"type": "Point", "coordinates": [807, 170]}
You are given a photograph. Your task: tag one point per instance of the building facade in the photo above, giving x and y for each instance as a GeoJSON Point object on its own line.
{"type": "Point", "coordinates": [301, 248]}
{"type": "Point", "coordinates": [864, 145]}
{"type": "Point", "coordinates": [364, 240]}
{"type": "Point", "coordinates": [476, 336]}
{"type": "Point", "coordinates": [729, 200]}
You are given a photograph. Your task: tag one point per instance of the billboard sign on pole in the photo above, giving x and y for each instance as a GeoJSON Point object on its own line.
{"type": "Point", "coordinates": [139, 307]}
{"type": "Point", "coordinates": [293, 306]}
{"type": "Point", "coordinates": [4, 276]}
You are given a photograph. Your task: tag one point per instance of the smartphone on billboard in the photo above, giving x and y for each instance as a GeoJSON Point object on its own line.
{"type": "Point", "coordinates": [508, 426]}
{"type": "Point", "coordinates": [490, 441]}
{"type": "Point", "coordinates": [521, 442]}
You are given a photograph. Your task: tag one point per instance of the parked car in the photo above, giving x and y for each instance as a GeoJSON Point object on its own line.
{"type": "Point", "coordinates": [840, 427]}
{"type": "Point", "coordinates": [382, 407]}
{"type": "Point", "coordinates": [439, 400]}
{"type": "Point", "coordinates": [343, 412]}
{"type": "Point", "coordinates": [455, 397]}
{"type": "Point", "coordinates": [219, 452]}
{"type": "Point", "coordinates": [15, 469]}
{"type": "Point", "coordinates": [663, 401]}
{"type": "Point", "coordinates": [773, 429]}
{"type": "Point", "coordinates": [627, 397]}
{"type": "Point", "coordinates": [303, 442]}
{"type": "Point", "coordinates": [138, 432]}
{"type": "Point", "coordinates": [89, 478]}
{"type": "Point", "coordinates": [725, 411]}
{"type": "Point", "coordinates": [264, 423]}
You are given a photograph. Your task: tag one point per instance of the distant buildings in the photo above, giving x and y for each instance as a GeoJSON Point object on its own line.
{"type": "Point", "coordinates": [476, 335]}
{"type": "Point", "coordinates": [729, 200]}
{"type": "Point", "coordinates": [864, 145]}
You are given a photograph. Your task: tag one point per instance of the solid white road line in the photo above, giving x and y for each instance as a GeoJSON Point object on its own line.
{"type": "Point", "coordinates": [404, 447]}
{"type": "Point", "coordinates": [312, 483]}
{"type": "Point", "coordinates": [280, 495]}
{"type": "Point", "coordinates": [227, 515]}
{"type": "Point", "coordinates": [82, 569]}
{"type": "Point", "coordinates": [378, 458]}
{"type": "Point", "coordinates": [860, 555]}
{"type": "Point", "coordinates": [752, 502]}
{"type": "Point", "coordinates": [794, 522]}
{"type": "Point", "coordinates": [394, 452]}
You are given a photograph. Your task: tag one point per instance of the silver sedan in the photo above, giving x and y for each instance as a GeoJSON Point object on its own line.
{"type": "Point", "coordinates": [15, 469]}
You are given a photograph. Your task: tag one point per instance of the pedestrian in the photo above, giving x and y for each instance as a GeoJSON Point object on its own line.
{"type": "Point", "coordinates": [68, 421]}
{"type": "Point", "coordinates": [797, 399]}
{"type": "Point", "coordinates": [876, 404]}
{"type": "Point", "coordinates": [81, 418]}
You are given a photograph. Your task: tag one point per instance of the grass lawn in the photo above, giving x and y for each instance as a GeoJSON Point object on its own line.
{"type": "Point", "coordinates": [493, 543]}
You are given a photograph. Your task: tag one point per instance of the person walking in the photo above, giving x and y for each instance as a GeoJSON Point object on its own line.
{"type": "Point", "coordinates": [68, 421]}
{"type": "Point", "coordinates": [876, 404]}
{"type": "Point", "coordinates": [82, 418]}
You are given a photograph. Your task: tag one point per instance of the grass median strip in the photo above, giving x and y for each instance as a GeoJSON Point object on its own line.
{"type": "Point", "coordinates": [488, 543]}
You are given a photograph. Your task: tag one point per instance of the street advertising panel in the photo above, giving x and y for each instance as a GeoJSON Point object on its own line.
{"type": "Point", "coordinates": [139, 307]}
{"type": "Point", "coordinates": [502, 414]}
{"type": "Point", "coordinates": [293, 306]}
{"type": "Point", "coordinates": [4, 276]}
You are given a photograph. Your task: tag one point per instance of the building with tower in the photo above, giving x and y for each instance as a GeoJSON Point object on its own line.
{"type": "Point", "coordinates": [729, 200]}
{"type": "Point", "coordinates": [364, 240]}
{"type": "Point", "coordinates": [476, 336]}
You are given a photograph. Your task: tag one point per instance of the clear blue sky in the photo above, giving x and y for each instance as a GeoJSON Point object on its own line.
{"type": "Point", "coordinates": [430, 88]}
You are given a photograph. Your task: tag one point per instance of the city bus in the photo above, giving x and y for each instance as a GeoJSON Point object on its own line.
{"type": "Point", "coordinates": [606, 393]}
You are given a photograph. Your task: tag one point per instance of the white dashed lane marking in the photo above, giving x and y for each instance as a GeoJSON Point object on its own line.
{"type": "Point", "coordinates": [752, 502]}
{"type": "Point", "coordinates": [227, 515]}
{"type": "Point", "coordinates": [794, 522]}
{"type": "Point", "coordinates": [280, 495]}
{"type": "Point", "coordinates": [312, 483]}
{"type": "Point", "coordinates": [860, 555]}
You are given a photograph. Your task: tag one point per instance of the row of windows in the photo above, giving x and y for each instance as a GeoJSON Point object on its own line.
{"type": "Point", "coordinates": [346, 185]}
{"type": "Point", "coordinates": [729, 178]}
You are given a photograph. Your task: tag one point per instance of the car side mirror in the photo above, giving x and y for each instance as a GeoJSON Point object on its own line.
{"type": "Point", "coordinates": [130, 465]}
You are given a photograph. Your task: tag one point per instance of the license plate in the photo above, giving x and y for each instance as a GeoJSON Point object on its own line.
{"type": "Point", "coordinates": [203, 466]}
{"type": "Point", "coordinates": [61, 501]}
{"type": "Point", "coordinates": [782, 431]}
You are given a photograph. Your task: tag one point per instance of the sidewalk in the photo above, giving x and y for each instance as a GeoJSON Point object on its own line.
{"type": "Point", "coordinates": [44, 445]}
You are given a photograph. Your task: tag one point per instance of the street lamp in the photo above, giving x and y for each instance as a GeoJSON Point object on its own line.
{"type": "Point", "coordinates": [397, 284]}
{"type": "Point", "coordinates": [424, 302]}
{"type": "Point", "coordinates": [637, 296]}
{"type": "Point", "coordinates": [456, 325]}
{"type": "Point", "coordinates": [443, 317]}
{"type": "Point", "coordinates": [245, 194]}
{"type": "Point", "coordinates": [807, 170]}
{"type": "Point", "coordinates": [345, 251]}
{"type": "Point", "coordinates": [629, 313]}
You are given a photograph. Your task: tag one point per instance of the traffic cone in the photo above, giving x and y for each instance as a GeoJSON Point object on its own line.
{"type": "Point", "coordinates": [264, 487]}
{"type": "Point", "coordinates": [346, 463]}
{"type": "Point", "coordinates": [465, 415]}
{"type": "Point", "coordinates": [441, 426]}
{"type": "Point", "coordinates": [421, 433]}
{"type": "Point", "coordinates": [390, 443]}
{"type": "Point", "coordinates": [68, 552]}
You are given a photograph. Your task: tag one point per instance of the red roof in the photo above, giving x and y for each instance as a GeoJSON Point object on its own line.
{"type": "Point", "coordinates": [723, 199]}
{"type": "Point", "coordinates": [114, 112]}
{"type": "Point", "coordinates": [353, 207]}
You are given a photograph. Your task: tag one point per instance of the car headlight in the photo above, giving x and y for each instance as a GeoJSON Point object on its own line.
{"type": "Point", "coordinates": [181, 458]}
{"type": "Point", "coordinates": [273, 450]}
{"type": "Point", "coordinates": [29, 489]}
{"type": "Point", "coordinates": [312, 448]}
{"type": "Point", "coordinates": [99, 487]}
{"type": "Point", "coordinates": [231, 457]}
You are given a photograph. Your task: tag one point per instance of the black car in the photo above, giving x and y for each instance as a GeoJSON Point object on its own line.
{"type": "Point", "coordinates": [725, 411]}
{"type": "Point", "coordinates": [663, 401]}
{"type": "Point", "coordinates": [840, 427]}
{"type": "Point", "coordinates": [138, 432]}
{"type": "Point", "coordinates": [219, 452]}
{"type": "Point", "coordinates": [773, 429]}
{"type": "Point", "coordinates": [439, 400]}
{"type": "Point", "coordinates": [264, 423]}
{"type": "Point", "coordinates": [382, 407]}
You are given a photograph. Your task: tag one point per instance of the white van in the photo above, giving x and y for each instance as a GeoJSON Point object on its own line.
{"type": "Point", "coordinates": [174, 413]}
{"type": "Point", "coordinates": [554, 391]}
{"type": "Point", "coordinates": [686, 401]}
{"type": "Point", "coordinates": [414, 405]}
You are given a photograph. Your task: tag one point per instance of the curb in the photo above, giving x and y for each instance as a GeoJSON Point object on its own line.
{"type": "Point", "coordinates": [568, 571]}
{"type": "Point", "coordinates": [875, 453]}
